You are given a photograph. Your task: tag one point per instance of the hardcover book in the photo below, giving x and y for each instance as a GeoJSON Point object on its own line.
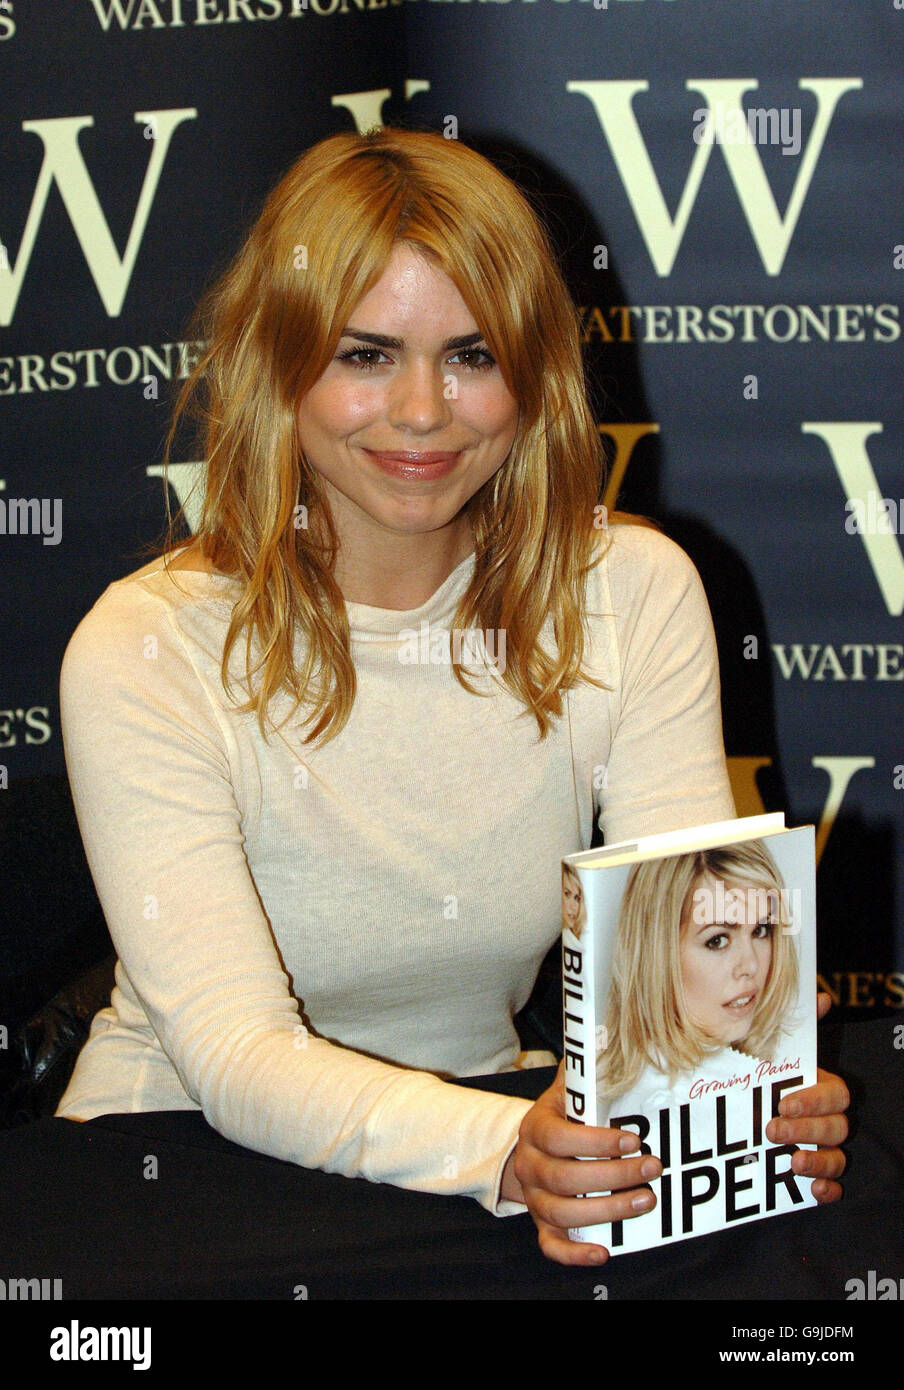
{"type": "Point", "coordinates": [689, 979]}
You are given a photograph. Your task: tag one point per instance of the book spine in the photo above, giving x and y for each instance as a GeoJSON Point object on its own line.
{"type": "Point", "coordinates": [579, 1028]}
{"type": "Point", "coordinates": [577, 1003]}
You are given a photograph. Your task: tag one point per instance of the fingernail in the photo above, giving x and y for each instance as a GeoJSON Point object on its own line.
{"type": "Point", "coordinates": [804, 1164]}
{"type": "Point", "coordinates": [790, 1107]}
{"type": "Point", "coordinates": [628, 1144]}
{"type": "Point", "coordinates": [642, 1202]}
{"type": "Point", "coordinates": [650, 1168]}
{"type": "Point", "coordinates": [781, 1132]}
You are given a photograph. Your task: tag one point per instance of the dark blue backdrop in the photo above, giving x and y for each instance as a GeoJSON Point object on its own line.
{"type": "Point", "coordinates": [742, 320]}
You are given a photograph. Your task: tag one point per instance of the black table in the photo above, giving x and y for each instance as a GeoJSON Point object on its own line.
{"type": "Point", "coordinates": [220, 1222]}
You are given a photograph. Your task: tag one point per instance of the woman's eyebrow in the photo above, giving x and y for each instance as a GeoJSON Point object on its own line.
{"type": "Point", "coordinates": [381, 340]}
{"type": "Point", "coordinates": [733, 926]}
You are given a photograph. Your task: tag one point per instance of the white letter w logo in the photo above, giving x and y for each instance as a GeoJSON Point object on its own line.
{"type": "Point", "coordinates": [846, 441]}
{"type": "Point", "coordinates": [63, 162]}
{"type": "Point", "coordinates": [612, 102]}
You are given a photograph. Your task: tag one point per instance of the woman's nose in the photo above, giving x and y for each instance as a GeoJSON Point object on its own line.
{"type": "Point", "coordinates": [418, 398]}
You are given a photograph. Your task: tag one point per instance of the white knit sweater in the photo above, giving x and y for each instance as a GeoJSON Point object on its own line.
{"type": "Point", "coordinates": [400, 885]}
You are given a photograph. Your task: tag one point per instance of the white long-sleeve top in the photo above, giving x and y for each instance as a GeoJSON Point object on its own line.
{"type": "Point", "coordinates": [309, 939]}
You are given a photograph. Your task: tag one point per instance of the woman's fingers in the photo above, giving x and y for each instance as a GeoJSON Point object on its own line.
{"type": "Point", "coordinates": [828, 1097]}
{"type": "Point", "coordinates": [556, 1246]}
{"type": "Point", "coordinates": [575, 1176]}
{"type": "Point", "coordinates": [825, 1191]}
{"type": "Point", "coordinates": [550, 1134]}
{"type": "Point", "coordinates": [819, 1163]}
{"type": "Point", "coordinates": [554, 1181]}
{"type": "Point", "coordinates": [620, 1197]}
{"type": "Point", "coordinates": [827, 1130]}
{"type": "Point", "coordinates": [815, 1115]}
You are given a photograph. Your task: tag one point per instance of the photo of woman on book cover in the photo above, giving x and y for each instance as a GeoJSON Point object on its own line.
{"type": "Point", "coordinates": [704, 977]}
{"type": "Point", "coordinates": [574, 909]}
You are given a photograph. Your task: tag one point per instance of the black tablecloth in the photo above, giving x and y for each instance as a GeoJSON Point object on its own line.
{"type": "Point", "coordinates": [221, 1222]}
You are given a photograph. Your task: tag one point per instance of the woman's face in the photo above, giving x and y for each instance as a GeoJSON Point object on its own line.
{"type": "Point", "coordinates": [725, 953]}
{"type": "Point", "coordinates": [405, 432]}
{"type": "Point", "coordinates": [571, 901]}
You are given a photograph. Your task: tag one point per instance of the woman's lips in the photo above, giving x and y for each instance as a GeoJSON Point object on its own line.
{"type": "Point", "coordinates": [741, 1003]}
{"type": "Point", "coordinates": [433, 464]}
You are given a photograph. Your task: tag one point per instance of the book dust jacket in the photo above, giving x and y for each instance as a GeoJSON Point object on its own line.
{"type": "Point", "coordinates": [690, 1011]}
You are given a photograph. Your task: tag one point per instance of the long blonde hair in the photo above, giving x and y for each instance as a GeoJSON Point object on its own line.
{"type": "Point", "coordinates": [647, 1020]}
{"type": "Point", "coordinates": [272, 324]}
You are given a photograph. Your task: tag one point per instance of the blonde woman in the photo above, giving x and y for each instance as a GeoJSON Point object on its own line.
{"type": "Point", "coordinates": [704, 978]}
{"type": "Point", "coordinates": [574, 909]}
{"type": "Point", "coordinates": [331, 875]}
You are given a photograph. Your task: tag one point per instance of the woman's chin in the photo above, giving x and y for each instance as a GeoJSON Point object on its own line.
{"type": "Point", "coordinates": [730, 1037]}
{"type": "Point", "coordinates": [740, 1045]}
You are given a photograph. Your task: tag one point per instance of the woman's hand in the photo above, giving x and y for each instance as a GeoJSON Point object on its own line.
{"type": "Point", "coordinates": [815, 1115]}
{"type": "Point", "coordinates": [543, 1173]}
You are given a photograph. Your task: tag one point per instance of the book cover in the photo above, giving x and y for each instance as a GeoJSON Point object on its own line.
{"type": "Point", "coordinates": [689, 981]}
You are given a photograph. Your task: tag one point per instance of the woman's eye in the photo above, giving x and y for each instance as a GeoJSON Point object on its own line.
{"type": "Point", "coordinates": [717, 942]}
{"type": "Point", "coordinates": [764, 929]}
{"type": "Point", "coordinates": [486, 359]}
{"type": "Point", "coordinates": [354, 355]}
